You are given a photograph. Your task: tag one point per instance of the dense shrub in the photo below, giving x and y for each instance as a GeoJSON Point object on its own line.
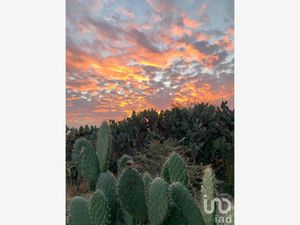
{"type": "Point", "coordinates": [205, 131]}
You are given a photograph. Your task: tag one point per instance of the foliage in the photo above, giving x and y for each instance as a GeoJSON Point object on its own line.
{"type": "Point", "coordinates": [161, 204]}
{"type": "Point", "coordinates": [123, 162]}
{"type": "Point", "coordinates": [205, 131]}
{"type": "Point", "coordinates": [152, 158]}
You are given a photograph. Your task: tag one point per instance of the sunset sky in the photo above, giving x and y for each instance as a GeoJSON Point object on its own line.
{"type": "Point", "coordinates": [125, 55]}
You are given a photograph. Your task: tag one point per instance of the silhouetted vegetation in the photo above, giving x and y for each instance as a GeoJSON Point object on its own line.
{"type": "Point", "coordinates": [203, 133]}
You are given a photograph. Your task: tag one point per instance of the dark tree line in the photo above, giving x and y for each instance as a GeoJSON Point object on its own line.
{"type": "Point", "coordinates": [206, 131]}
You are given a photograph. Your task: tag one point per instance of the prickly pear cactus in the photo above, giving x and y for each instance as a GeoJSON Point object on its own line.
{"type": "Point", "coordinates": [122, 162]}
{"type": "Point", "coordinates": [147, 182]}
{"type": "Point", "coordinates": [86, 161]}
{"type": "Point", "coordinates": [107, 183]}
{"type": "Point", "coordinates": [174, 169]}
{"type": "Point", "coordinates": [185, 202]}
{"type": "Point", "coordinates": [132, 195]}
{"type": "Point", "coordinates": [158, 201]}
{"type": "Point", "coordinates": [79, 212]}
{"type": "Point", "coordinates": [103, 146]}
{"type": "Point", "coordinates": [175, 217]}
{"type": "Point", "coordinates": [208, 193]}
{"type": "Point", "coordinates": [99, 209]}
{"type": "Point", "coordinates": [129, 220]}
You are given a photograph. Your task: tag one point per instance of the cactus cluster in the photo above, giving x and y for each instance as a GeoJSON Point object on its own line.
{"type": "Point", "coordinates": [131, 198]}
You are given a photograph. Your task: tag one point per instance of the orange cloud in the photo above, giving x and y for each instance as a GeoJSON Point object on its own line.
{"type": "Point", "coordinates": [83, 85]}
{"type": "Point", "coordinates": [193, 24]}
{"type": "Point", "coordinates": [190, 93]}
{"type": "Point", "coordinates": [203, 37]}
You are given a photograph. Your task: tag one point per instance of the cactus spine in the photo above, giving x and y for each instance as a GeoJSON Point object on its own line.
{"type": "Point", "coordinates": [174, 169]}
{"type": "Point", "coordinates": [103, 146]}
{"type": "Point", "coordinates": [85, 159]}
{"type": "Point", "coordinates": [79, 212]}
{"type": "Point", "coordinates": [132, 195]}
{"type": "Point", "coordinates": [185, 202]}
{"type": "Point", "coordinates": [107, 183]}
{"type": "Point", "coordinates": [99, 209]}
{"type": "Point", "coordinates": [158, 201]}
{"type": "Point", "coordinates": [208, 192]}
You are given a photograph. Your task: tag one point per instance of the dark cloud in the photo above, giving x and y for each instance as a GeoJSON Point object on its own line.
{"type": "Point", "coordinates": [142, 40]}
{"type": "Point", "coordinates": [206, 47]}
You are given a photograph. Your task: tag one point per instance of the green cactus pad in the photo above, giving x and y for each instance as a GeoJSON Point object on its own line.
{"type": "Point", "coordinates": [208, 191]}
{"type": "Point", "coordinates": [129, 220]}
{"type": "Point", "coordinates": [103, 146]}
{"type": "Point", "coordinates": [132, 195]}
{"type": "Point", "coordinates": [147, 181]}
{"type": "Point", "coordinates": [107, 183]}
{"type": "Point", "coordinates": [174, 169]}
{"type": "Point", "coordinates": [122, 162]}
{"type": "Point", "coordinates": [175, 217]}
{"type": "Point", "coordinates": [99, 209]}
{"type": "Point", "coordinates": [86, 161]}
{"type": "Point", "coordinates": [158, 201]}
{"type": "Point", "coordinates": [185, 202]}
{"type": "Point", "coordinates": [79, 212]}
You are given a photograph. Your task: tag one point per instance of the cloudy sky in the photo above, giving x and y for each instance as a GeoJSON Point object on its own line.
{"type": "Point", "coordinates": [125, 55]}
